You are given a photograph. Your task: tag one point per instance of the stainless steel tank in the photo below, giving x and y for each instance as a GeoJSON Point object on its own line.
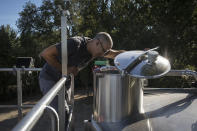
{"type": "Point", "coordinates": [116, 96]}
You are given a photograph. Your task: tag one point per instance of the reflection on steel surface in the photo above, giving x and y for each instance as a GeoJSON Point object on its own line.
{"type": "Point", "coordinates": [116, 97]}
{"type": "Point", "coordinates": [148, 68]}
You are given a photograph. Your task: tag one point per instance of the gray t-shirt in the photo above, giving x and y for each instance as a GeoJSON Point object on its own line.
{"type": "Point", "coordinates": [78, 56]}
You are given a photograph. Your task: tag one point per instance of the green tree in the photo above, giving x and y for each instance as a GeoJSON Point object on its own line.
{"type": "Point", "coordinates": [133, 25]}
{"type": "Point", "coordinates": [8, 41]}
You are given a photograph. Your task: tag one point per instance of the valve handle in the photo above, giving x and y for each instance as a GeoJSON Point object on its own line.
{"type": "Point", "coordinates": [139, 59]}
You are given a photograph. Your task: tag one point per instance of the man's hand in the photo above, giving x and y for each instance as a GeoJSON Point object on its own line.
{"type": "Point", "coordinates": [121, 51]}
{"type": "Point", "coordinates": [74, 70]}
{"type": "Point", "coordinates": [145, 49]}
{"type": "Point", "coordinates": [113, 53]}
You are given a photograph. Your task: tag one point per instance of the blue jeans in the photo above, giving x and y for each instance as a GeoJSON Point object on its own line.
{"type": "Point", "coordinates": [45, 86]}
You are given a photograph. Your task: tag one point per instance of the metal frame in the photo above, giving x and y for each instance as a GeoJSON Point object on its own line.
{"type": "Point", "coordinates": [33, 116]}
{"type": "Point", "coordinates": [61, 96]}
{"type": "Point", "coordinates": [180, 90]}
{"type": "Point", "coordinates": [168, 90]}
{"type": "Point", "coordinates": [19, 72]}
{"type": "Point", "coordinates": [54, 118]}
{"type": "Point", "coordinates": [28, 122]}
{"type": "Point", "coordinates": [182, 73]}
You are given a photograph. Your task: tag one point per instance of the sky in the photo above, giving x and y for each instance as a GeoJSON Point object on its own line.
{"type": "Point", "coordinates": [9, 10]}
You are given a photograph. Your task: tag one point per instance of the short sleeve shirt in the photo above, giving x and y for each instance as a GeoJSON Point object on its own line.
{"type": "Point", "coordinates": [78, 56]}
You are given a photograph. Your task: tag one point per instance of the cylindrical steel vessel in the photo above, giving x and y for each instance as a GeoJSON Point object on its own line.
{"type": "Point", "coordinates": [118, 93]}
{"type": "Point", "coordinates": [116, 96]}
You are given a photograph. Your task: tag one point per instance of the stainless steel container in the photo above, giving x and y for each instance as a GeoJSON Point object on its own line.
{"type": "Point", "coordinates": [116, 96]}
{"type": "Point", "coordinates": [118, 90]}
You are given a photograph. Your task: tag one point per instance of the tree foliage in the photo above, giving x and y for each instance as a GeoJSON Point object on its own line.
{"type": "Point", "coordinates": [133, 25]}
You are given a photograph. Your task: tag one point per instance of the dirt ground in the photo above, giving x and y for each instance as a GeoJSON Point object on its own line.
{"type": "Point", "coordinates": [82, 111]}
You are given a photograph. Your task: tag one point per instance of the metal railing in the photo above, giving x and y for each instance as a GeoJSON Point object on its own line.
{"type": "Point", "coordinates": [180, 90]}
{"type": "Point", "coordinates": [19, 72]}
{"type": "Point", "coordinates": [182, 73]}
{"type": "Point", "coordinates": [28, 122]}
{"type": "Point", "coordinates": [33, 116]}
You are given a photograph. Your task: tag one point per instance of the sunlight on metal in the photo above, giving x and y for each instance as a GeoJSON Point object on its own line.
{"type": "Point", "coordinates": [61, 96]}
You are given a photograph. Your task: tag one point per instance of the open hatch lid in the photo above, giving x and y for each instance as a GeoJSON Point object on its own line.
{"type": "Point", "coordinates": [142, 64]}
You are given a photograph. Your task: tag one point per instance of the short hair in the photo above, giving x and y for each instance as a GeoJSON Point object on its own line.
{"type": "Point", "coordinates": [105, 37]}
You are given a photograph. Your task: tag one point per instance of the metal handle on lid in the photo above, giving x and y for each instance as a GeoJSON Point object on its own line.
{"type": "Point", "coordinates": [140, 58]}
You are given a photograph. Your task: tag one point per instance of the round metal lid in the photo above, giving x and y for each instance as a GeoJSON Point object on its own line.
{"type": "Point", "coordinates": [152, 66]}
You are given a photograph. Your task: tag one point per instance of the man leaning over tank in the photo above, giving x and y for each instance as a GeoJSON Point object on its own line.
{"type": "Point", "coordinates": [81, 50]}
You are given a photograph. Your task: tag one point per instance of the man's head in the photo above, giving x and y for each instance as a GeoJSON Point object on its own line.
{"type": "Point", "coordinates": [101, 44]}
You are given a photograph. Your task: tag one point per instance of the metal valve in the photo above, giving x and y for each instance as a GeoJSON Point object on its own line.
{"type": "Point", "coordinates": [152, 56]}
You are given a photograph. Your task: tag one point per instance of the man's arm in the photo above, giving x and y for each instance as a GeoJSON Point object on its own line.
{"type": "Point", "coordinates": [113, 53]}
{"type": "Point", "coordinates": [50, 55]}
